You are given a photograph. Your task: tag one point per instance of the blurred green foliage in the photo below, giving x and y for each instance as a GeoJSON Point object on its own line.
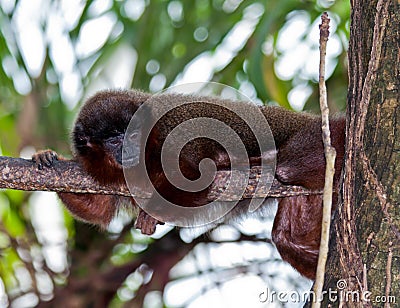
{"type": "Point", "coordinates": [37, 108]}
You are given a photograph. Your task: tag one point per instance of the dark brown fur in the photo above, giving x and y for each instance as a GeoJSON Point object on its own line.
{"type": "Point", "coordinates": [101, 125]}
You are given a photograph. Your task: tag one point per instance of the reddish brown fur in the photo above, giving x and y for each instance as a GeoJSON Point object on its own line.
{"type": "Point", "coordinates": [297, 225]}
{"type": "Point", "coordinates": [296, 232]}
{"type": "Point", "coordinates": [301, 161]}
{"type": "Point", "coordinates": [97, 209]}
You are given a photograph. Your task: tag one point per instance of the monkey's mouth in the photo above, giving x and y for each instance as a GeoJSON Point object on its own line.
{"type": "Point", "coordinates": [129, 160]}
{"type": "Point", "coordinates": [129, 163]}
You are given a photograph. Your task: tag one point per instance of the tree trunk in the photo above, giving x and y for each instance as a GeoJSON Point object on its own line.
{"type": "Point", "coordinates": [363, 268]}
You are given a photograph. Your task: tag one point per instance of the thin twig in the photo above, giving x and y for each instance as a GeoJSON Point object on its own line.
{"type": "Point", "coordinates": [330, 156]}
{"type": "Point", "coordinates": [389, 275]}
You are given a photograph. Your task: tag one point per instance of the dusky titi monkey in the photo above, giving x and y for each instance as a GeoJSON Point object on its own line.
{"type": "Point", "coordinates": [97, 144]}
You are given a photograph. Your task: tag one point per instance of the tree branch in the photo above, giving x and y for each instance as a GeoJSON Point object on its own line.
{"type": "Point", "coordinates": [69, 176]}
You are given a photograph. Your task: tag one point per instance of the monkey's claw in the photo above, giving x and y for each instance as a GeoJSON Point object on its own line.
{"type": "Point", "coordinates": [46, 157]}
{"type": "Point", "coordinates": [146, 223]}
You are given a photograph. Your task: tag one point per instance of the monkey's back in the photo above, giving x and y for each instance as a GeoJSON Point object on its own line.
{"type": "Point", "coordinates": [242, 118]}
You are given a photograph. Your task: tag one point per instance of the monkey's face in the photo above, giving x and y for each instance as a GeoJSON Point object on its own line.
{"type": "Point", "coordinates": [100, 140]}
{"type": "Point", "coordinates": [132, 149]}
{"type": "Point", "coordinates": [98, 146]}
{"type": "Point", "coordinates": [99, 131]}
{"type": "Point", "coordinates": [100, 156]}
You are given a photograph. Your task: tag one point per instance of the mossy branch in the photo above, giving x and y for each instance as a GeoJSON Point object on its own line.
{"type": "Point", "coordinates": [69, 176]}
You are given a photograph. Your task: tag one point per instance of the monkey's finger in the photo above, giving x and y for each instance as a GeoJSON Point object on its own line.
{"type": "Point", "coordinates": [146, 223]}
{"type": "Point", "coordinates": [50, 157]}
{"type": "Point", "coordinates": [36, 159]}
{"type": "Point", "coordinates": [46, 157]}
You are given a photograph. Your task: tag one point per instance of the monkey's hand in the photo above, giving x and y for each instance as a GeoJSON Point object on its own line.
{"type": "Point", "coordinates": [77, 204]}
{"type": "Point", "coordinates": [45, 158]}
{"type": "Point", "coordinates": [146, 223]}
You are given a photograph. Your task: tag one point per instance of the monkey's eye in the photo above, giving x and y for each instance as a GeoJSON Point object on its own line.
{"type": "Point", "coordinates": [133, 136]}
{"type": "Point", "coordinates": [114, 141]}
{"type": "Point", "coordinates": [81, 140]}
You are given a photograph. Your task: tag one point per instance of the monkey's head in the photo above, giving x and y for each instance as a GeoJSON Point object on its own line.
{"type": "Point", "coordinates": [99, 132]}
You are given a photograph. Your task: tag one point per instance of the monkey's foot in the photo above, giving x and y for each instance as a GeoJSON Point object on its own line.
{"type": "Point", "coordinates": [146, 223]}
{"type": "Point", "coordinates": [45, 157]}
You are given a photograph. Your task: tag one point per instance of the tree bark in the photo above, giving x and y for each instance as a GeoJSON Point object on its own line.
{"type": "Point", "coordinates": [364, 263]}
{"type": "Point", "coordinates": [69, 176]}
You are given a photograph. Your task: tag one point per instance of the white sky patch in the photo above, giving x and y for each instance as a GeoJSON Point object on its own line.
{"type": "Point", "coordinates": [243, 291]}
{"type": "Point", "coordinates": [134, 8]}
{"type": "Point", "coordinates": [199, 69]}
{"type": "Point", "coordinates": [28, 37]}
{"type": "Point", "coordinates": [248, 89]}
{"type": "Point", "coordinates": [195, 277]}
{"type": "Point", "coordinates": [3, 297]}
{"type": "Point", "coordinates": [29, 34]}
{"type": "Point", "coordinates": [299, 95]}
{"type": "Point", "coordinates": [203, 66]}
{"type": "Point", "coordinates": [175, 10]}
{"type": "Point", "coordinates": [94, 34]}
{"type": "Point", "coordinates": [157, 83]}
{"type": "Point", "coordinates": [71, 10]}
{"type": "Point", "coordinates": [71, 88]}
{"type": "Point", "coordinates": [293, 31]}
{"type": "Point", "coordinates": [7, 5]}
{"type": "Point", "coordinates": [121, 66]}
{"type": "Point", "coordinates": [48, 222]}
{"type": "Point", "coordinates": [298, 44]}
{"type": "Point", "coordinates": [118, 71]}
{"type": "Point", "coordinates": [99, 7]}
{"type": "Point", "coordinates": [230, 6]}
{"type": "Point", "coordinates": [62, 54]}
{"type": "Point", "coordinates": [22, 83]}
